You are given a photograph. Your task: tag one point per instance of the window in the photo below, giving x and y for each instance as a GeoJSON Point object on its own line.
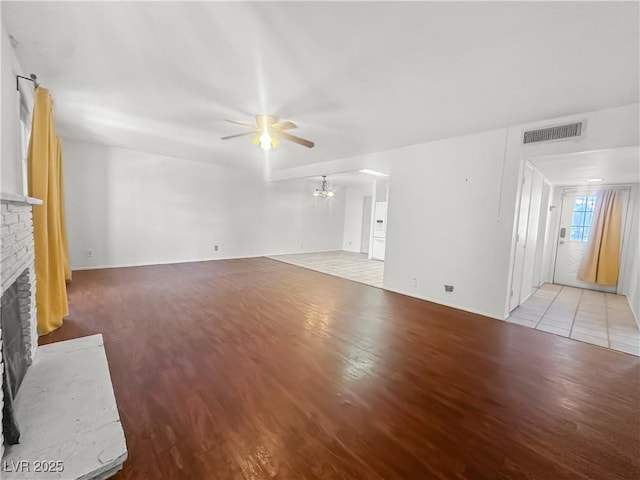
{"type": "Point", "coordinates": [582, 215]}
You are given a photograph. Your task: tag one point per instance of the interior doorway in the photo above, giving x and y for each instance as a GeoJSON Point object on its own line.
{"type": "Point", "coordinates": [364, 196]}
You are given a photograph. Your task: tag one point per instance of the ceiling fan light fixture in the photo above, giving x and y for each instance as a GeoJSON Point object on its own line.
{"type": "Point", "coordinates": [266, 141]}
{"type": "Point", "coordinates": [268, 132]}
{"type": "Point", "coordinates": [324, 190]}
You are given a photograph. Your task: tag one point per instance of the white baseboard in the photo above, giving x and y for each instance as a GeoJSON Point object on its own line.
{"type": "Point", "coordinates": [195, 260]}
{"type": "Point", "coordinates": [446, 304]}
{"type": "Point", "coordinates": [635, 314]}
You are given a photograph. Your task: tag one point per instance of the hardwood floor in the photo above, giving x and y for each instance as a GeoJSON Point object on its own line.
{"type": "Point", "coordinates": [258, 369]}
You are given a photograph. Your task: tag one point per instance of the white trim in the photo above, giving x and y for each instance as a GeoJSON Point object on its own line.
{"type": "Point", "coordinates": [7, 197]}
{"type": "Point", "coordinates": [635, 314]}
{"type": "Point", "coordinates": [446, 304]}
{"type": "Point", "coordinates": [525, 299]}
{"type": "Point", "coordinates": [197, 260]}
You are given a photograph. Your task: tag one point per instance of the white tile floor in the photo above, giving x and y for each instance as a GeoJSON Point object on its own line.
{"type": "Point", "coordinates": [349, 265]}
{"type": "Point", "coordinates": [602, 319]}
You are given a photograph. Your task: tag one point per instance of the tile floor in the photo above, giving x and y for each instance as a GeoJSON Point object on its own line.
{"type": "Point", "coordinates": [349, 265]}
{"type": "Point", "coordinates": [603, 319]}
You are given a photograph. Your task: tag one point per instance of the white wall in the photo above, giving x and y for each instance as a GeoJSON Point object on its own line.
{"type": "Point", "coordinates": [442, 226]}
{"type": "Point", "coordinates": [11, 171]}
{"type": "Point", "coordinates": [353, 216]}
{"type": "Point", "coordinates": [453, 205]}
{"type": "Point", "coordinates": [630, 266]}
{"type": "Point", "coordinates": [133, 208]}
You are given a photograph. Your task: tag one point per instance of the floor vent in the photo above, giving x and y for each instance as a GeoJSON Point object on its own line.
{"type": "Point", "coordinates": [560, 132]}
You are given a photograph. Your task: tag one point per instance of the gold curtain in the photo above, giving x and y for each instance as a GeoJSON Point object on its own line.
{"type": "Point", "coordinates": [49, 232]}
{"type": "Point", "coordinates": [601, 262]}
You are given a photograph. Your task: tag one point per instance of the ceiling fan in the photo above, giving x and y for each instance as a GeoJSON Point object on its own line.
{"type": "Point", "coordinates": [268, 131]}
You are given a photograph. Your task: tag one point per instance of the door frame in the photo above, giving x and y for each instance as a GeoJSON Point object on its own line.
{"type": "Point", "coordinates": [625, 226]}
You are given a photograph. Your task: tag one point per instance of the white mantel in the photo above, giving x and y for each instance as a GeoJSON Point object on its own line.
{"type": "Point", "coordinates": [16, 198]}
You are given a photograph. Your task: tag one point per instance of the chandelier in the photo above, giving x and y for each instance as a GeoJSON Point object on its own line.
{"type": "Point", "coordinates": [324, 190]}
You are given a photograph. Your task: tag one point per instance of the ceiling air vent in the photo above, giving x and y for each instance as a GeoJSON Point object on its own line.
{"type": "Point", "coordinates": [561, 132]}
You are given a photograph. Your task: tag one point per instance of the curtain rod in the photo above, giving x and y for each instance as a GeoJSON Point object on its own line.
{"type": "Point", "coordinates": [32, 78]}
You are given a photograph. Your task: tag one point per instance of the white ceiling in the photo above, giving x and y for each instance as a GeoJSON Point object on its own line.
{"type": "Point", "coordinates": [349, 179]}
{"type": "Point", "coordinates": [618, 165]}
{"type": "Point", "coordinates": [356, 77]}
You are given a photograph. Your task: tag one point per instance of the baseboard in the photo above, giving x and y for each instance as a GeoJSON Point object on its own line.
{"type": "Point", "coordinates": [635, 314]}
{"type": "Point", "coordinates": [446, 304]}
{"type": "Point", "coordinates": [171, 262]}
{"type": "Point", "coordinates": [526, 298]}
{"type": "Point", "coordinates": [149, 264]}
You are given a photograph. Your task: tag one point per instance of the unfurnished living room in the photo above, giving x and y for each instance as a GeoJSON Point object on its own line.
{"type": "Point", "coordinates": [320, 240]}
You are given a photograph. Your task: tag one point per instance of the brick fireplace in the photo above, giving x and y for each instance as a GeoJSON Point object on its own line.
{"type": "Point", "coordinates": [84, 438]}
{"type": "Point", "coordinates": [17, 270]}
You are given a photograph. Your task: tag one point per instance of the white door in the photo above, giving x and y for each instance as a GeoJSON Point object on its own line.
{"type": "Point", "coordinates": [531, 240]}
{"type": "Point", "coordinates": [575, 223]}
{"type": "Point", "coordinates": [542, 234]}
{"type": "Point", "coordinates": [521, 238]}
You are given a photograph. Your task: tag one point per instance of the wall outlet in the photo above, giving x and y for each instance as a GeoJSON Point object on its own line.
{"type": "Point", "coordinates": [89, 253]}
{"type": "Point", "coordinates": [448, 288]}
{"type": "Point", "coordinates": [215, 248]}
{"type": "Point", "coordinates": [414, 282]}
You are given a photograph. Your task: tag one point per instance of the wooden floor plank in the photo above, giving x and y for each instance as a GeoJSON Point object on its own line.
{"type": "Point", "coordinates": [256, 369]}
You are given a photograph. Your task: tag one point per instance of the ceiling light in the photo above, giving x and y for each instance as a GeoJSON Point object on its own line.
{"type": "Point", "coordinates": [374, 173]}
{"type": "Point", "coordinates": [594, 180]}
{"type": "Point", "coordinates": [324, 190]}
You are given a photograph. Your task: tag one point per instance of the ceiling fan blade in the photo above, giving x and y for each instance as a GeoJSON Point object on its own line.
{"type": "Point", "coordinates": [298, 140]}
{"type": "Point", "coordinates": [239, 135]}
{"type": "Point", "coordinates": [244, 124]}
{"type": "Point", "coordinates": [265, 121]}
{"type": "Point", "coordinates": [284, 126]}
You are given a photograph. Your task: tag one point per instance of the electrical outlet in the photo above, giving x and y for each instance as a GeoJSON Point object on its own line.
{"type": "Point", "coordinates": [448, 288]}
{"type": "Point", "coordinates": [215, 248]}
{"type": "Point", "coordinates": [89, 253]}
{"type": "Point", "coordinates": [414, 282]}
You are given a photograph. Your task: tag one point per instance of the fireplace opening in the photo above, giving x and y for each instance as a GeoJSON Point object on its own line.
{"type": "Point", "coordinates": [15, 305]}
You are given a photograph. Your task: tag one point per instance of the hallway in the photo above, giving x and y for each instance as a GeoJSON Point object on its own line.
{"type": "Point", "coordinates": [598, 318]}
